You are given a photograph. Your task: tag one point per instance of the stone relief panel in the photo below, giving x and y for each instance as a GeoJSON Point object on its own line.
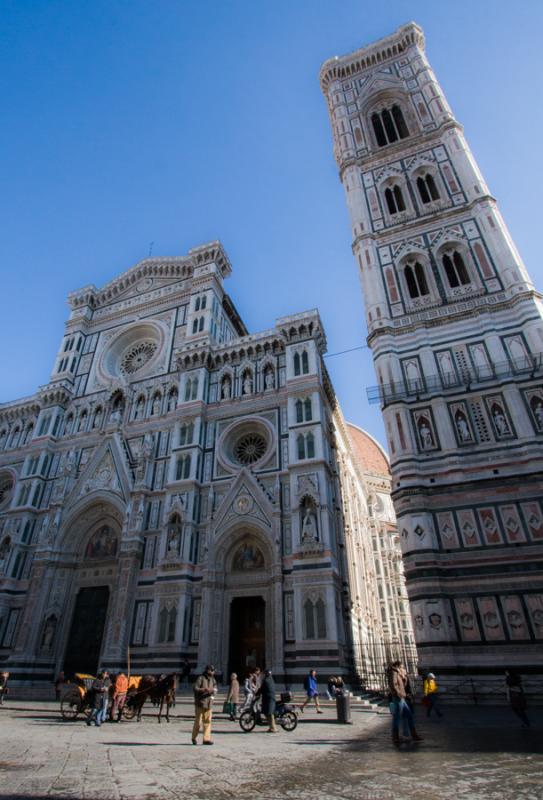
{"type": "Point", "coordinates": [534, 603]}
{"type": "Point", "coordinates": [490, 525]}
{"type": "Point", "coordinates": [534, 519]}
{"type": "Point", "coordinates": [490, 617]}
{"type": "Point", "coordinates": [465, 613]}
{"type": "Point", "coordinates": [512, 524]}
{"type": "Point", "coordinates": [514, 617]}
{"type": "Point", "coordinates": [468, 528]}
{"type": "Point", "coordinates": [447, 530]}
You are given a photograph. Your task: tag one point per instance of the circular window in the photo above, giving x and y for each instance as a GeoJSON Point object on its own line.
{"type": "Point", "coordinates": [137, 356]}
{"type": "Point", "coordinates": [133, 351]}
{"type": "Point", "coordinates": [6, 489]}
{"type": "Point", "coordinates": [250, 448]}
{"type": "Point", "coordinates": [246, 443]}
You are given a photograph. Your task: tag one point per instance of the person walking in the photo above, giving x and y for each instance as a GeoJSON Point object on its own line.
{"type": "Point", "coordinates": [267, 692]}
{"type": "Point", "coordinates": [4, 676]}
{"type": "Point", "coordinates": [102, 713]}
{"type": "Point", "coordinates": [233, 696]}
{"type": "Point", "coordinates": [430, 694]}
{"type": "Point", "coordinates": [398, 705]}
{"type": "Point", "coordinates": [99, 691]}
{"type": "Point", "coordinates": [205, 689]}
{"type": "Point", "coordinates": [312, 691]}
{"type": "Point", "coordinates": [119, 696]}
{"type": "Point", "coordinates": [516, 696]}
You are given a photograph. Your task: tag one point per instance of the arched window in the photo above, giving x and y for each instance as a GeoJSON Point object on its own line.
{"type": "Point", "coordinates": [186, 433]}
{"type": "Point", "coordinates": [300, 446]}
{"type": "Point", "coordinates": [305, 363]}
{"type": "Point", "coordinates": [310, 445]}
{"type": "Point", "coordinates": [195, 326]}
{"type": "Point", "coordinates": [28, 433]}
{"type": "Point", "coordinates": [394, 199]}
{"type": "Point", "coordinates": [204, 302]}
{"type": "Point", "coordinates": [427, 188]}
{"type": "Point", "coordinates": [299, 411]}
{"type": "Point", "coordinates": [315, 619]}
{"type": "Point", "coordinates": [201, 324]}
{"type": "Point", "coordinates": [191, 389]}
{"type": "Point", "coordinates": [297, 367]}
{"type": "Point", "coordinates": [183, 468]}
{"type": "Point", "coordinates": [389, 125]}
{"type": "Point", "coordinates": [416, 280]}
{"type": "Point", "coordinates": [455, 269]}
{"type": "Point", "coordinates": [197, 304]}
{"type": "Point", "coordinates": [167, 621]}
{"type": "Point", "coordinates": [3, 437]}
{"type": "Point", "coordinates": [14, 439]}
{"type": "Point", "coordinates": [308, 409]}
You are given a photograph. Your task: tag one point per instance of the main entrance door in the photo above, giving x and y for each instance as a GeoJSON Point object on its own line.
{"type": "Point", "coordinates": [87, 630]}
{"type": "Point", "coordinates": [247, 634]}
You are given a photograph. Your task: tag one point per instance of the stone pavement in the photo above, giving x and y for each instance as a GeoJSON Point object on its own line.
{"type": "Point", "coordinates": [472, 753]}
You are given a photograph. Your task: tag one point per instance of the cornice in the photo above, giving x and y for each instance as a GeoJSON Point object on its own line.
{"type": "Point", "coordinates": [19, 409]}
{"type": "Point", "coordinates": [372, 55]}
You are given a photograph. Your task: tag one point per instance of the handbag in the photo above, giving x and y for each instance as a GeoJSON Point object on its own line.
{"type": "Point", "coordinates": [227, 707]}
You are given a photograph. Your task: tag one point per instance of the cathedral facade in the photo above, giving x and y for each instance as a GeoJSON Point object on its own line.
{"type": "Point", "coordinates": [456, 330]}
{"type": "Point", "coordinates": [183, 490]}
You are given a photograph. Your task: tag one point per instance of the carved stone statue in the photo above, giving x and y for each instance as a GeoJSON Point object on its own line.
{"type": "Point", "coordinates": [247, 384]}
{"type": "Point", "coordinates": [269, 379]}
{"type": "Point", "coordinates": [426, 437]}
{"type": "Point", "coordinates": [226, 388]}
{"type": "Point", "coordinates": [309, 528]}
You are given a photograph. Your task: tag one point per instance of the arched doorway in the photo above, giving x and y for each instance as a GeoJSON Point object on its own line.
{"type": "Point", "coordinates": [93, 585]}
{"type": "Point", "coordinates": [247, 645]}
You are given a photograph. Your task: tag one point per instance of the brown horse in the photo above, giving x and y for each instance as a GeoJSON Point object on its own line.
{"type": "Point", "coordinates": [160, 689]}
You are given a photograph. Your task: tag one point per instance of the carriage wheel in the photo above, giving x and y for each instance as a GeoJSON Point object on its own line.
{"type": "Point", "coordinates": [288, 721]}
{"type": "Point", "coordinates": [129, 712]}
{"type": "Point", "coordinates": [70, 706]}
{"type": "Point", "coordinates": [87, 710]}
{"type": "Point", "coordinates": [247, 721]}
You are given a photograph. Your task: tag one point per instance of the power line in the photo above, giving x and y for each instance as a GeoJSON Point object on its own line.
{"type": "Point", "coordinates": [350, 350]}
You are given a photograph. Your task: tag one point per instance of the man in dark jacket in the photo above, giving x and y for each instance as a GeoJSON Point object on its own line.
{"type": "Point", "coordinates": [267, 693]}
{"type": "Point", "coordinates": [99, 693]}
{"type": "Point", "coordinates": [205, 689]}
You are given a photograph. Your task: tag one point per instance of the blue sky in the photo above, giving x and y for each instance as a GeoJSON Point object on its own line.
{"type": "Point", "coordinates": [130, 122]}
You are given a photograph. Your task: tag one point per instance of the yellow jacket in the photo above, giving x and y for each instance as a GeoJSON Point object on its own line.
{"type": "Point", "coordinates": [429, 686]}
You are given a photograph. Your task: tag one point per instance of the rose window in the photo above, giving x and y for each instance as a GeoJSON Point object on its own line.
{"type": "Point", "coordinates": [137, 357]}
{"type": "Point", "coordinates": [249, 448]}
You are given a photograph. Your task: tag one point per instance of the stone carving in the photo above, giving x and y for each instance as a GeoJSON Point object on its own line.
{"type": "Point", "coordinates": [48, 634]}
{"type": "Point", "coordinates": [269, 379]}
{"type": "Point", "coordinates": [226, 388]}
{"type": "Point", "coordinates": [248, 556]}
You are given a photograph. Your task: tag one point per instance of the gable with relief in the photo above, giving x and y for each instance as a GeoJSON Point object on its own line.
{"type": "Point", "coordinates": [105, 471]}
{"type": "Point", "coordinates": [245, 501]}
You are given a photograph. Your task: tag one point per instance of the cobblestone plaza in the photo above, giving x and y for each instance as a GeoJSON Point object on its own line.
{"type": "Point", "coordinates": [475, 752]}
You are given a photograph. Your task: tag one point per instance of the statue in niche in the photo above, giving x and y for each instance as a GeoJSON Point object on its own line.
{"type": "Point", "coordinates": [173, 541]}
{"type": "Point", "coordinates": [537, 408]}
{"type": "Point", "coordinates": [248, 556]}
{"type": "Point", "coordinates": [500, 421]}
{"type": "Point", "coordinates": [462, 427]}
{"type": "Point", "coordinates": [139, 408]}
{"type": "Point", "coordinates": [98, 416]}
{"type": "Point", "coordinates": [48, 635]}
{"type": "Point", "coordinates": [269, 379]}
{"type": "Point", "coordinates": [426, 438]}
{"type": "Point", "coordinates": [172, 401]}
{"type": "Point", "coordinates": [156, 405]}
{"type": "Point", "coordinates": [226, 388]}
{"type": "Point", "coordinates": [247, 384]}
{"type": "Point", "coordinates": [309, 523]}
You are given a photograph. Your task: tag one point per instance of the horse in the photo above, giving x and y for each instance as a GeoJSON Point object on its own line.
{"type": "Point", "coordinates": [161, 689]}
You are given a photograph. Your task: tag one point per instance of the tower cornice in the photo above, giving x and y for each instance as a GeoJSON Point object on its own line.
{"type": "Point", "coordinates": [370, 56]}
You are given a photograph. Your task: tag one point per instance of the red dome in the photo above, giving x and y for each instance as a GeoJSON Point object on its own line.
{"type": "Point", "coordinates": [370, 455]}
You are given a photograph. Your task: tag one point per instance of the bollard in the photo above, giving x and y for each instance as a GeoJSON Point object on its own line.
{"type": "Point", "coordinates": [343, 708]}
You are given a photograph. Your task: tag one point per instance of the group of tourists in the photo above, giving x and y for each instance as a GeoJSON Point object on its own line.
{"type": "Point", "coordinates": [107, 696]}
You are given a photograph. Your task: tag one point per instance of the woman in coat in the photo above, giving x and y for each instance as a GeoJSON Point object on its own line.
{"type": "Point", "coordinates": [233, 695]}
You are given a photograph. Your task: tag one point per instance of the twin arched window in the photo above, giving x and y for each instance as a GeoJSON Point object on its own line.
{"type": "Point", "coordinates": [198, 324]}
{"type": "Point", "coordinates": [394, 199]}
{"type": "Point", "coordinates": [304, 411]}
{"type": "Point", "coordinates": [301, 363]}
{"type": "Point", "coordinates": [182, 471]}
{"type": "Point", "coordinates": [315, 619]}
{"type": "Point", "coordinates": [455, 269]}
{"type": "Point", "coordinates": [389, 125]}
{"type": "Point", "coordinates": [191, 389]}
{"type": "Point", "coordinates": [415, 279]}
{"type": "Point", "coordinates": [186, 433]}
{"type": "Point", "coordinates": [167, 621]}
{"type": "Point", "coordinates": [427, 188]}
{"type": "Point", "coordinates": [305, 446]}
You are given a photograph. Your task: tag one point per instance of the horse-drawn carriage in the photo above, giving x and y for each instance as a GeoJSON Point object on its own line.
{"type": "Point", "coordinates": [160, 689]}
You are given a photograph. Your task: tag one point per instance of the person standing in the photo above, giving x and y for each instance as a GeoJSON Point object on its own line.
{"type": "Point", "coordinates": [205, 689]}
{"type": "Point", "coordinates": [233, 696]}
{"type": "Point", "coordinates": [430, 693]}
{"type": "Point", "coordinates": [312, 691]}
{"type": "Point", "coordinates": [59, 683]}
{"type": "Point", "coordinates": [267, 692]}
{"type": "Point", "coordinates": [516, 696]}
{"type": "Point", "coordinates": [4, 676]}
{"type": "Point", "coordinates": [399, 707]}
{"type": "Point", "coordinates": [99, 691]}
{"type": "Point", "coordinates": [119, 696]}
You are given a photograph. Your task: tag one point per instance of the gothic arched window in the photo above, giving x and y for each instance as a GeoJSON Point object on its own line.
{"type": "Point", "coordinates": [204, 302]}
{"type": "Point", "coordinates": [305, 363]}
{"type": "Point", "coordinates": [299, 411]}
{"type": "Point", "coordinates": [455, 269]}
{"type": "Point", "coordinates": [427, 188]}
{"type": "Point", "coordinates": [394, 199]}
{"type": "Point", "coordinates": [416, 280]}
{"type": "Point", "coordinates": [308, 409]}
{"type": "Point", "coordinates": [183, 468]}
{"type": "Point", "coordinates": [389, 125]}
{"type": "Point", "coordinates": [201, 324]}
{"type": "Point", "coordinates": [315, 619]}
{"type": "Point", "coordinates": [297, 364]}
